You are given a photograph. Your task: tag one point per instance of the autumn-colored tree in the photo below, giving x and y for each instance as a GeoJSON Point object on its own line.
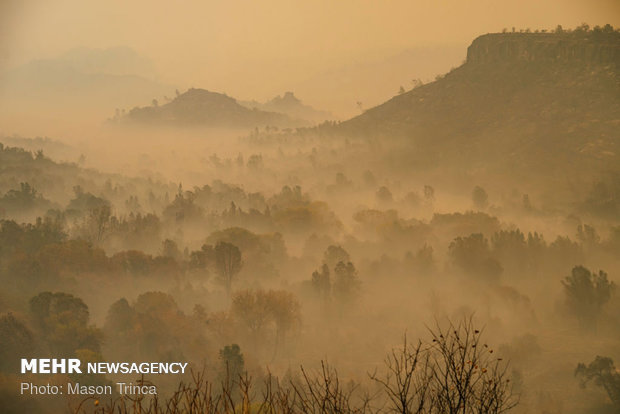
{"type": "Point", "coordinates": [62, 320]}
{"type": "Point", "coordinates": [286, 313]}
{"type": "Point", "coordinates": [251, 308]}
{"type": "Point", "coordinates": [259, 310]}
{"type": "Point", "coordinates": [96, 225]}
{"type": "Point", "coordinates": [73, 256]}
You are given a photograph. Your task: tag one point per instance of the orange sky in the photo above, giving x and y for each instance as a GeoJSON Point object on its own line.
{"type": "Point", "coordinates": [234, 43]}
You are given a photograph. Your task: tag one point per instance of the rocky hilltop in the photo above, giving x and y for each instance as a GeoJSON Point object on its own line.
{"type": "Point", "coordinates": [601, 47]}
{"type": "Point", "coordinates": [200, 107]}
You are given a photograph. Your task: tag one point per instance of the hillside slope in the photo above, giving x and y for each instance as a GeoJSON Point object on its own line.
{"type": "Point", "coordinates": [522, 102]}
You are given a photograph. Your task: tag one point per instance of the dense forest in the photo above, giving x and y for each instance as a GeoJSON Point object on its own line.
{"type": "Point", "coordinates": [453, 250]}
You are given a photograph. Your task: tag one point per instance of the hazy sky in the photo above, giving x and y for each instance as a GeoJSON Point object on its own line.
{"type": "Point", "coordinates": [244, 42]}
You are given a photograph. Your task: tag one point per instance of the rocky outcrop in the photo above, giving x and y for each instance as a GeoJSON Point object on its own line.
{"type": "Point", "coordinates": [199, 107]}
{"type": "Point", "coordinates": [583, 47]}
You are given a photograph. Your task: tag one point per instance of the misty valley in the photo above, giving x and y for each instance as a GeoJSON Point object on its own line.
{"type": "Point", "coordinates": [455, 249]}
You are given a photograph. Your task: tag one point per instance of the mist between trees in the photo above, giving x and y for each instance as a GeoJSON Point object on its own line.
{"type": "Point", "coordinates": [247, 312]}
{"type": "Point", "coordinates": [452, 250]}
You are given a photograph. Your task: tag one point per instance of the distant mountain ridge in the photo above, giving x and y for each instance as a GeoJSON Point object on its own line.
{"type": "Point", "coordinates": [117, 74]}
{"type": "Point", "coordinates": [290, 105]}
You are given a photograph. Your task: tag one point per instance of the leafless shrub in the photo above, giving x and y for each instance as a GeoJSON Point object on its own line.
{"type": "Point", "coordinates": [456, 373]}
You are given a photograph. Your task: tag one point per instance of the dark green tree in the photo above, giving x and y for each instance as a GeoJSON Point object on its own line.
{"type": "Point", "coordinates": [603, 373]}
{"type": "Point", "coordinates": [16, 341]}
{"type": "Point", "coordinates": [85, 202]}
{"type": "Point", "coordinates": [233, 364]}
{"type": "Point", "coordinates": [285, 311]}
{"type": "Point", "coordinates": [321, 282]}
{"type": "Point", "coordinates": [429, 193]}
{"type": "Point", "coordinates": [228, 263]}
{"type": "Point", "coordinates": [480, 198]}
{"type": "Point", "coordinates": [586, 294]}
{"type": "Point", "coordinates": [24, 198]}
{"type": "Point", "coordinates": [169, 248]}
{"type": "Point", "coordinates": [335, 254]}
{"type": "Point", "coordinates": [346, 283]}
{"type": "Point", "coordinates": [202, 259]}
{"type": "Point", "coordinates": [121, 317]}
{"type": "Point", "coordinates": [473, 256]}
{"type": "Point", "coordinates": [384, 194]}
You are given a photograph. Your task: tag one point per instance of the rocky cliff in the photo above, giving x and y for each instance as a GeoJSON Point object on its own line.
{"type": "Point", "coordinates": [583, 47]}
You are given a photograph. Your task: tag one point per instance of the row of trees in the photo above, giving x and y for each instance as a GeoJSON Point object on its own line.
{"type": "Point", "coordinates": [581, 29]}
{"type": "Point", "coordinates": [518, 254]}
